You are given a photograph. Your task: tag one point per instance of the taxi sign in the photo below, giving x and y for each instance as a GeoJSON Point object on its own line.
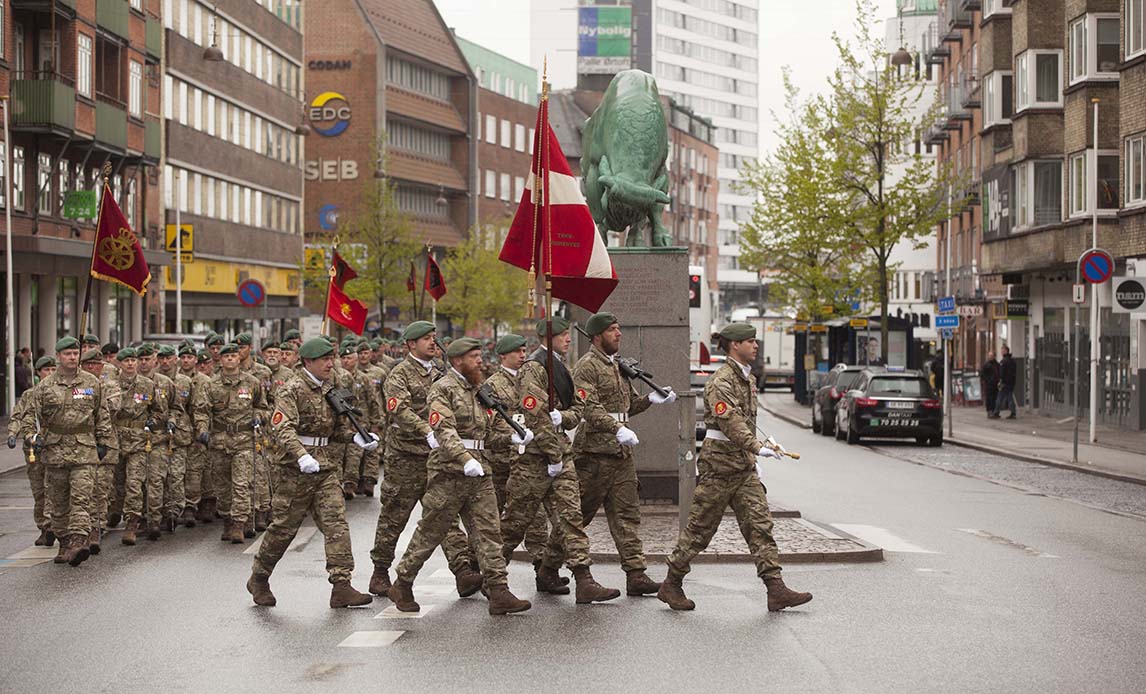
{"type": "Point", "coordinates": [858, 323]}
{"type": "Point", "coordinates": [819, 328]}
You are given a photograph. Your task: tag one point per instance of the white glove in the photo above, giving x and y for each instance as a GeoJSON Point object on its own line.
{"type": "Point", "coordinates": [472, 468]}
{"type": "Point", "coordinates": [308, 464]}
{"type": "Point", "coordinates": [766, 452]}
{"type": "Point", "coordinates": [760, 470]}
{"type": "Point", "coordinates": [627, 437]}
{"type": "Point", "coordinates": [656, 399]}
{"type": "Point", "coordinates": [363, 444]}
{"type": "Point", "coordinates": [520, 441]}
{"type": "Point", "coordinates": [555, 417]}
{"type": "Point", "coordinates": [432, 440]}
{"type": "Point", "coordinates": [555, 469]}
{"type": "Point", "coordinates": [775, 444]}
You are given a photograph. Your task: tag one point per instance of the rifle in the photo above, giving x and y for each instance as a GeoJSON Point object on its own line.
{"type": "Point", "coordinates": [170, 439]}
{"type": "Point", "coordinates": [488, 401]}
{"type": "Point", "coordinates": [339, 400]}
{"type": "Point", "coordinates": [629, 369]}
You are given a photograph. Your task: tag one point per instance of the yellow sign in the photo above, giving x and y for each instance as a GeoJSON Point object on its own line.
{"type": "Point", "coordinates": [215, 277]}
{"type": "Point", "coordinates": [827, 309]}
{"type": "Point", "coordinates": [315, 257]}
{"type": "Point", "coordinates": [819, 328]}
{"type": "Point", "coordinates": [809, 362]}
{"type": "Point", "coordinates": [799, 328]}
{"type": "Point", "coordinates": [186, 243]}
{"type": "Point", "coordinates": [859, 323]}
{"type": "Point", "coordinates": [186, 257]}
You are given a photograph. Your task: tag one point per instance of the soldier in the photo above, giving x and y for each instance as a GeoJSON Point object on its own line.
{"type": "Point", "coordinates": [140, 412]}
{"type": "Point", "coordinates": [203, 495]}
{"type": "Point", "coordinates": [195, 453]}
{"type": "Point", "coordinates": [22, 427]}
{"type": "Point", "coordinates": [92, 362]}
{"type": "Point", "coordinates": [728, 474]}
{"type": "Point", "coordinates": [544, 473]}
{"type": "Point", "coordinates": [294, 337]}
{"type": "Point", "coordinates": [307, 481]}
{"type": "Point", "coordinates": [499, 447]}
{"type": "Point", "coordinates": [110, 365]}
{"type": "Point", "coordinates": [347, 455]}
{"type": "Point", "coordinates": [159, 457]}
{"type": "Point", "coordinates": [459, 484]}
{"type": "Point", "coordinates": [603, 447]}
{"type": "Point", "coordinates": [75, 434]}
{"type": "Point", "coordinates": [408, 444]}
{"type": "Point", "coordinates": [261, 482]}
{"type": "Point", "coordinates": [174, 489]}
{"type": "Point", "coordinates": [287, 359]}
{"type": "Point", "coordinates": [214, 344]}
{"type": "Point", "coordinates": [372, 377]}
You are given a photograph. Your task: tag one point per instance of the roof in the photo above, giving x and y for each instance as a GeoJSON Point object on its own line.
{"type": "Point", "coordinates": [415, 27]}
{"type": "Point", "coordinates": [567, 119]}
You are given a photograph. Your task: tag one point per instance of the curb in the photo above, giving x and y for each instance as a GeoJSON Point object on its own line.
{"type": "Point", "coordinates": [786, 417]}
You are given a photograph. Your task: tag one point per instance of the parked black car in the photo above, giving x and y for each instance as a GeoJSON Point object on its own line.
{"type": "Point", "coordinates": [890, 404]}
{"type": "Point", "coordinates": [841, 377]}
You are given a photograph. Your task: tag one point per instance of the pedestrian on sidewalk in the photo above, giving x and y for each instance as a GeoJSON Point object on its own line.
{"type": "Point", "coordinates": [937, 363]}
{"type": "Point", "coordinates": [989, 378]}
{"type": "Point", "coordinates": [1008, 372]}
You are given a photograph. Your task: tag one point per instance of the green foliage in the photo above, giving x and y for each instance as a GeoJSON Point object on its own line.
{"type": "Point", "coordinates": [481, 287]}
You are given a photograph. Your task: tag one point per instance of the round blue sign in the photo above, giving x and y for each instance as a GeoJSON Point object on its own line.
{"type": "Point", "coordinates": [251, 293]}
{"type": "Point", "coordinates": [1096, 266]}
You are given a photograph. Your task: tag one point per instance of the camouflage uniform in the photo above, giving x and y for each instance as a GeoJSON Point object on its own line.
{"type": "Point", "coordinates": [348, 455]}
{"type": "Point", "coordinates": [261, 479]}
{"type": "Point", "coordinates": [500, 452]}
{"type": "Point", "coordinates": [372, 460]}
{"type": "Point", "coordinates": [460, 424]}
{"type": "Point", "coordinates": [233, 403]}
{"type": "Point", "coordinates": [174, 488]}
{"type": "Point", "coordinates": [606, 469]}
{"type": "Point", "coordinates": [159, 459]}
{"type": "Point", "coordinates": [407, 389]}
{"type": "Point", "coordinates": [141, 403]}
{"type": "Point", "coordinates": [106, 468]}
{"type": "Point", "coordinates": [22, 427]}
{"type": "Point", "coordinates": [726, 475]}
{"type": "Point", "coordinates": [197, 483]}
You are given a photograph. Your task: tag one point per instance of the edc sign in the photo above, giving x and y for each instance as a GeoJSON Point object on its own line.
{"type": "Point", "coordinates": [330, 114]}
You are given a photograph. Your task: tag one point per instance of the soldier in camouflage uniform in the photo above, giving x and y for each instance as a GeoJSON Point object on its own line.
{"type": "Point", "coordinates": [288, 357]}
{"type": "Point", "coordinates": [459, 484]}
{"type": "Point", "coordinates": [234, 400]}
{"type": "Point", "coordinates": [174, 489]}
{"type": "Point", "coordinates": [261, 482]}
{"type": "Point", "coordinates": [193, 469]}
{"type": "Point", "coordinates": [76, 433]}
{"type": "Point", "coordinates": [307, 481]}
{"type": "Point", "coordinates": [140, 412]}
{"type": "Point", "coordinates": [214, 344]}
{"type": "Point", "coordinates": [92, 362]}
{"type": "Point", "coordinates": [294, 337]}
{"type": "Point", "coordinates": [159, 459]}
{"type": "Point", "coordinates": [200, 483]}
{"type": "Point", "coordinates": [544, 473]}
{"type": "Point", "coordinates": [375, 377]}
{"type": "Point", "coordinates": [603, 447]}
{"type": "Point", "coordinates": [408, 444]}
{"type": "Point", "coordinates": [348, 455]}
{"type": "Point", "coordinates": [110, 365]}
{"type": "Point", "coordinates": [729, 474]}
{"type": "Point", "coordinates": [23, 428]}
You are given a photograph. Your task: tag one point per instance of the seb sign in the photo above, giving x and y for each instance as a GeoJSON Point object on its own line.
{"type": "Point", "coordinates": [330, 170]}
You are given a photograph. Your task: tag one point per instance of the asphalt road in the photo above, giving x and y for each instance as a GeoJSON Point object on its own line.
{"type": "Point", "coordinates": [985, 587]}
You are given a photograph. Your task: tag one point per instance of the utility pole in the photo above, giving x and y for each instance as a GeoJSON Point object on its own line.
{"type": "Point", "coordinates": [1095, 327]}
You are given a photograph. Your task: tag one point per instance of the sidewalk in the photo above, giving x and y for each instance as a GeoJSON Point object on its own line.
{"type": "Point", "coordinates": [1119, 454]}
{"type": "Point", "coordinates": [10, 459]}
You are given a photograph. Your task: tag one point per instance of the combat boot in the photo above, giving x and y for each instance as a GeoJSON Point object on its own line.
{"type": "Point", "coordinates": [168, 523]}
{"type": "Point", "coordinates": [77, 549]}
{"type": "Point", "coordinates": [549, 582]}
{"type": "Point", "coordinates": [672, 592]}
{"type": "Point", "coordinates": [260, 521]}
{"type": "Point", "coordinates": [42, 540]}
{"type": "Point", "coordinates": [249, 528]}
{"type": "Point", "coordinates": [113, 520]}
{"type": "Point", "coordinates": [781, 596]}
{"type": "Point", "coordinates": [501, 601]}
{"type": "Point", "coordinates": [368, 485]}
{"type": "Point", "coordinates": [588, 590]}
{"type": "Point", "coordinates": [61, 555]}
{"type": "Point", "coordinates": [402, 595]}
{"type": "Point", "coordinates": [380, 581]}
{"type": "Point", "coordinates": [153, 531]}
{"type": "Point", "coordinates": [260, 589]}
{"type": "Point", "coordinates": [207, 511]}
{"type": "Point", "coordinates": [187, 518]}
{"type": "Point", "coordinates": [128, 537]}
{"type": "Point", "coordinates": [93, 542]}
{"type": "Point", "coordinates": [49, 538]}
{"type": "Point", "coordinates": [348, 490]}
{"type": "Point", "coordinates": [344, 595]}
{"type": "Point", "coordinates": [638, 583]}
{"type": "Point", "coordinates": [232, 532]}
{"type": "Point", "coordinates": [468, 582]}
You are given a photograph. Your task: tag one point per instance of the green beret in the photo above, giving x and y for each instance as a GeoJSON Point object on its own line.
{"type": "Point", "coordinates": [214, 339]}
{"type": "Point", "coordinates": [90, 339]}
{"type": "Point", "coordinates": [144, 350]}
{"type": "Point", "coordinates": [292, 334]}
{"type": "Point", "coordinates": [365, 347]}
{"type": "Point", "coordinates": [447, 340]}
{"type": "Point", "coordinates": [91, 355]}
{"type": "Point", "coordinates": [328, 339]}
{"type": "Point", "coordinates": [417, 330]}
{"type": "Point", "coordinates": [270, 345]}
{"type": "Point", "coordinates": [244, 338]}
{"type": "Point", "coordinates": [346, 350]}
{"type": "Point", "coordinates": [738, 331]}
{"type": "Point", "coordinates": [68, 342]}
{"type": "Point", "coordinates": [110, 348]}
{"type": "Point", "coordinates": [44, 362]}
{"type": "Point", "coordinates": [287, 347]}
{"type": "Point", "coordinates": [560, 325]}
{"type": "Point", "coordinates": [210, 334]}
{"type": "Point", "coordinates": [127, 353]}
{"type": "Point", "coordinates": [204, 356]}
{"type": "Point", "coordinates": [461, 347]}
{"type": "Point", "coordinates": [229, 348]}
{"type": "Point", "coordinates": [184, 350]}
{"type": "Point", "coordinates": [375, 343]}
{"type": "Point", "coordinates": [509, 343]}
{"type": "Point", "coordinates": [599, 323]}
{"type": "Point", "coordinates": [167, 351]}
{"type": "Point", "coordinates": [315, 348]}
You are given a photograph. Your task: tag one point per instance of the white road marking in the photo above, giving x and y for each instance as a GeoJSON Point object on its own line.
{"type": "Point", "coordinates": [999, 539]}
{"type": "Point", "coordinates": [300, 540]}
{"type": "Point", "coordinates": [881, 537]}
{"type": "Point", "coordinates": [392, 612]}
{"type": "Point", "coordinates": [442, 573]}
{"type": "Point", "coordinates": [370, 639]}
{"type": "Point", "coordinates": [35, 552]}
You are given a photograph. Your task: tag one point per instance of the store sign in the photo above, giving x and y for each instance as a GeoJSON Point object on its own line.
{"type": "Point", "coordinates": [1018, 309]}
{"type": "Point", "coordinates": [329, 114]}
{"type": "Point", "coordinates": [331, 170]}
{"type": "Point", "coordinates": [80, 204]}
{"type": "Point", "coordinates": [1129, 294]}
{"type": "Point", "coordinates": [328, 65]}
{"type": "Point", "coordinates": [604, 39]}
{"type": "Point", "coordinates": [996, 201]}
{"type": "Point", "coordinates": [328, 217]}
{"type": "Point", "coordinates": [216, 277]}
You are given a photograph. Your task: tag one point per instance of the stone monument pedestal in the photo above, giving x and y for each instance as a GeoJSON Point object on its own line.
{"type": "Point", "coordinates": [651, 305]}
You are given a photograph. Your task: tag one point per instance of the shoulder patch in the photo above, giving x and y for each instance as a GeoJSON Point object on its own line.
{"type": "Point", "coordinates": [435, 418]}
{"type": "Point", "coordinates": [529, 402]}
{"type": "Point", "coordinates": [581, 393]}
{"type": "Point", "coordinates": [720, 408]}
{"type": "Point", "coordinates": [392, 404]}
{"type": "Point", "coordinates": [277, 417]}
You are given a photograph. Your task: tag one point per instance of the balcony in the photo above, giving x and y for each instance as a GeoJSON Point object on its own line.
{"type": "Point", "coordinates": [937, 132]}
{"type": "Point", "coordinates": [111, 123]}
{"type": "Point", "coordinates": [934, 50]}
{"type": "Point", "coordinates": [971, 90]}
{"type": "Point", "coordinates": [113, 16]}
{"type": "Point", "coordinates": [971, 5]}
{"type": "Point", "coordinates": [154, 38]}
{"type": "Point", "coordinates": [43, 101]}
{"type": "Point", "coordinates": [956, 110]}
{"type": "Point", "coordinates": [152, 140]}
{"type": "Point", "coordinates": [66, 8]}
{"type": "Point", "coordinates": [954, 19]}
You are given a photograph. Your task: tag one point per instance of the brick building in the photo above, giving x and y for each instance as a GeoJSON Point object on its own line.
{"type": "Point", "coordinates": [233, 107]}
{"type": "Point", "coordinates": [89, 96]}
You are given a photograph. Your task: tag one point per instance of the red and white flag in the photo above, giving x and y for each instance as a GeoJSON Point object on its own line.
{"type": "Point", "coordinates": [556, 236]}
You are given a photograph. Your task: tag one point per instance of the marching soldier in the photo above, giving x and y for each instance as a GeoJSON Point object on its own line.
{"type": "Point", "coordinates": [728, 475]}
{"type": "Point", "coordinates": [459, 484]}
{"type": "Point", "coordinates": [288, 357]}
{"type": "Point", "coordinates": [140, 412]}
{"type": "Point", "coordinates": [159, 458]}
{"type": "Point", "coordinates": [544, 473]}
{"type": "Point", "coordinates": [92, 362]}
{"type": "Point", "coordinates": [307, 481]}
{"type": "Point", "coordinates": [110, 365]}
{"type": "Point", "coordinates": [408, 444]}
{"type": "Point", "coordinates": [214, 344]}
{"type": "Point", "coordinates": [196, 452]}
{"type": "Point", "coordinates": [349, 455]}
{"type": "Point", "coordinates": [174, 489]}
{"type": "Point", "coordinates": [603, 447]}
{"type": "Point", "coordinates": [261, 482]}
{"type": "Point", "coordinates": [205, 496]}
{"type": "Point", "coordinates": [294, 337]}
{"type": "Point", "coordinates": [24, 428]}
{"type": "Point", "coordinates": [76, 434]}
{"type": "Point", "coordinates": [375, 377]}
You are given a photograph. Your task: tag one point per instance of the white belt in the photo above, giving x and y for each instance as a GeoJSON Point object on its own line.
{"type": "Point", "coordinates": [715, 434]}
{"type": "Point", "coordinates": [313, 440]}
{"type": "Point", "coordinates": [622, 417]}
{"type": "Point", "coordinates": [473, 444]}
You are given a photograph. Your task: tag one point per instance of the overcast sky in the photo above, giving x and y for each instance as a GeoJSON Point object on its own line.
{"type": "Point", "coordinates": [792, 32]}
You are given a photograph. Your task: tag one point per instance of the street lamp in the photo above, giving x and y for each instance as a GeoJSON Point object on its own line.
{"type": "Point", "coordinates": [901, 58]}
{"type": "Point", "coordinates": [213, 53]}
{"type": "Point", "coordinates": [441, 200]}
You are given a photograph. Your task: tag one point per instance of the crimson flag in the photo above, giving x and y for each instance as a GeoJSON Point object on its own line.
{"type": "Point", "coordinates": [412, 280]}
{"type": "Point", "coordinates": [116, 253]}
{"type": "Point", "coordinates": [340, 271]}
{"type": "Point", "coordinates": [435, 283]}
{"type": "Point", "coordinates": [347, 312]}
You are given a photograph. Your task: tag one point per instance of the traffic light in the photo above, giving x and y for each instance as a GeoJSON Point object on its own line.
{"type": "Point", "coordinates": [694, 291]}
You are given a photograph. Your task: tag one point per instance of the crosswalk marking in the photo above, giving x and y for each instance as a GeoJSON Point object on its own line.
{"type": "Point", "coordinates": [392, 612]}
{"type": "Point", "coordinates": [998, 539]}
{"type": "Point", "coordinates": [300, 540]}
{"type": "Point", "coordinates": [881, 537]}
{"type": "Point", "coordinates": [370, 639]}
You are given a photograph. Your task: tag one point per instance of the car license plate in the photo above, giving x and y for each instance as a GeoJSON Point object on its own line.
{"type": "Point", "coordinates": [895, 422]}
{"type": "Point", "coordinates": [900, 405]}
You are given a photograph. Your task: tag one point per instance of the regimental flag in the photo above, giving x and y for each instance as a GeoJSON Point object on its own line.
{"type": "Point", "coordinates": [347, 312]}
{"type": "Point", "coordinates": [435, 284]}
{"type": "Point", "coordinates": [116, 254]}
{"type": "Point", "coordinates": [340, 271]}
{"type": "Point", "coordinates": [412, 280]}
{"type": "Point", "coordinates": [553, 231]}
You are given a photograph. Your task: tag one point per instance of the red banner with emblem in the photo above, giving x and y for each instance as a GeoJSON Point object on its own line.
{"type": "Point", "coordinates": [116, 253]}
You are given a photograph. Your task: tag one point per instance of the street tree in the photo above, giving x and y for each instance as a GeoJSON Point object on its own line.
{"type": "Point", "coordinates": [481, 287]}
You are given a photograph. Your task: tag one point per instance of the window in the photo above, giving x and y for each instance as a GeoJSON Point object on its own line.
{"type": "Point", "coordinates": [18, 178]}
{"type": "Point", "coordinates": [519, 137]}
{"type": "Point", "coordinates": [518, 187]}
{"type": "Point", "coordinates": [1094, 47]}
{"type": "Point", "coordinates": [531, 139]}
{"type": "Point", "coordinates": [991, 7]}
{"type": "Point", "coordinates": [135, 90]}
{"type": "Point", "coordinates": [3, 173]}
{"type": "Point", "coordinates": [1037, 198]}
{"type": "Point", "coordinates": [1037, 82]}
{"type": "Point", "coordinates": [505, 186]}
{"type": "Point", "coordinates": [1106, 188]}
{"type": "Point", "coordinates": [490, 183]}
{"type": "Point", "coordinates": [491, 129]}
{"type": "Point", "coordinates": [44, 184]}
{"type": "Point", "coordinates": [137, 5]}
{"type": "Point", "coordinates": [84, 65]}
{"type": "Point", "coordinates": [1136, 170]}
{"type": "Point", "coordinates": [998, 98]}
{"type": "Point", "coordinates": [505, 134]}
{"type": "Point", "coordinates": [130, 204]}
{"type": "Point", "coordinates": [1135, 27]}
{"type": "Point", "coordinates": [2, 28]}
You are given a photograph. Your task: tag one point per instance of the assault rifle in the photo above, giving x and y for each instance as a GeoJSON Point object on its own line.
{"type": "Point", "coordinates": [341, 401]}
{"type": "Point", "coordinates": [630, 369]}
{"type": "Point", "coordinates": [488, 401]}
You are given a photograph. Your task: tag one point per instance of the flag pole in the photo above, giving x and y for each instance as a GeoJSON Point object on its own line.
{"type": "Point", "coordinates": [329, 284]}
{"type": "Point", "coordinates": [88, 291]}
{"type": "Point", "coordinates": [546, 241]}
{"type": "Point", "coordinates": [10, 303]}
{"type": "Point", "coordinates": [425, 274]}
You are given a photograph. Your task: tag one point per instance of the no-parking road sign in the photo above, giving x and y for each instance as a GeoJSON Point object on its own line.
{"type": "Point", "coordinates": [1096, 266]}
